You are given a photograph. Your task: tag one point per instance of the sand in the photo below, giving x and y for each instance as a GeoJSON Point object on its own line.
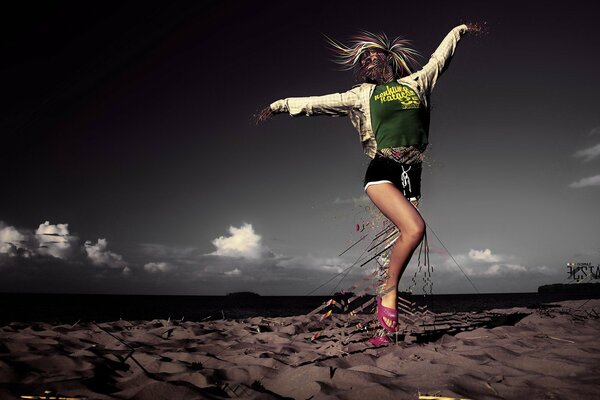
{"type": "Point", "coordinates": [551, 353]}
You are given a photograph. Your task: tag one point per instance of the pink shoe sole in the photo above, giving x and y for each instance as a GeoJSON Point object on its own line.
{"type": "Point", "coordinates": [379, 340]}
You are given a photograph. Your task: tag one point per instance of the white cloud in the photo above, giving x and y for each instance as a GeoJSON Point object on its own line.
{"type": "Point", "coordinates": [507, 269]}
{"type": "Point", "coordinates": [594, 131]}
{"type": "Point", "coordinates": [233, 272]}
{"type": "Point", "coordinates": [100, 255]}
{"type": "Point", "coordinates": [486, 264]}
{"type": "Point", "coordinates": [154, 267]}
{"type": "Point", "coordinates": [11, 240]}
{"type": "Point", "coordinates": [242, 242]}
{"type": "Point", "coordinates": [274, 273]}
{"type": "Point", "coordinates": [501, 269]}
{"type": "Point", "coordinates": [54, 240]}
{"type": "Point", "coordinates": [310, 262]}
{"type": "Point", "coordinates": [47, 240]}
{"type": "Point", "coordinates": [485, 270]}
{"type": "Point", "coordinates": [484, 255]}
{"type": "Point", "coordinates": [585, 182]}
{"type": "Point", "coordinates": [542, 269]}
{"type": "Point", "coordinates": [588, 154]}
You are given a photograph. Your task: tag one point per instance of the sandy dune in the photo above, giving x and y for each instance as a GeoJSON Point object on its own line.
{"type": "Point", "coordinates": [553, 353]}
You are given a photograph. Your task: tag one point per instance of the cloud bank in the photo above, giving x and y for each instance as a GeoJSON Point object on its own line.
{"type": "Point", "coordinates": [588, 154]}
{"type": "Point", "coordinates": [487, 272]}
{"type": "Point", "coordinates": [240, 262]}
{"type": "Point", "coordinates": [586, 182]}
{"type": "Point", "coordinates": [50, 258]}
{"type": "Point", "coordinates": [53, 241]}
{"type": "Point", "coordinates": [100, 255]}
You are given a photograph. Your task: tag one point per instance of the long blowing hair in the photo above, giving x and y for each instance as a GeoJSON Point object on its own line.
{"type": "Point", "coordinates": [400, 55]}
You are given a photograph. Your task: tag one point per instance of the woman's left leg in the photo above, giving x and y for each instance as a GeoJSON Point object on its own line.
{"type": "Point", "coordinates": [392, 203]}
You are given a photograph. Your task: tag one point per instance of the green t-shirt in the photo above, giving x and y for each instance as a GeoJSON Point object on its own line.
{"type": "Point", "coordinates": [397, 116]}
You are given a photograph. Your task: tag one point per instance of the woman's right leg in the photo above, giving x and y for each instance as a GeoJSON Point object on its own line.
{"type": "Point", "coordinates": [392, 203]}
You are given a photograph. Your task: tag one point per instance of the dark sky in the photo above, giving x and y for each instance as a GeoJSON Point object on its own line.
{"type": "Point", "coordinates": [127, 135]}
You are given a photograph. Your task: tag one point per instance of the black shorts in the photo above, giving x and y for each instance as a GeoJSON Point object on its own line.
{"type": "Point", "coordinates": [406, 177]}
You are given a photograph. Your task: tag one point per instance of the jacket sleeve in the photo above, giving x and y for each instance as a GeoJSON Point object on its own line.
{"type": "Point", "coordinates": [335, 105]}
{"type": "Point", "coordinates": [440, 59]}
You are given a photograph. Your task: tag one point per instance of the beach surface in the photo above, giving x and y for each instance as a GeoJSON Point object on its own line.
{"type": "Point", "coordinates": [551, 352]}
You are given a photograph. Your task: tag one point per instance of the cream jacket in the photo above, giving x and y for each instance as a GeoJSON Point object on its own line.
{"type": "Point", "coordinates": [355, 103]}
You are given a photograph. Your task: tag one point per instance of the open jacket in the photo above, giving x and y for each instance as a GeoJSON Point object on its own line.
{"type": "Point", "coordinates": [355, 102]}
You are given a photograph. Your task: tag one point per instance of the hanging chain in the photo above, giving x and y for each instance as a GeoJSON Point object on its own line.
{"type": "Point", "coordinates": [427, 279]}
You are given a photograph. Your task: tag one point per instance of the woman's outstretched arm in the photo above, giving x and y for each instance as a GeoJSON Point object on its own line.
{"type": "Point", "coordinates": [440, 59]}
{"type": "Point", "coordinates": [334, 105]}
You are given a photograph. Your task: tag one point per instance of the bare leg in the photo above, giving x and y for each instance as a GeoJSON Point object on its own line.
{"type": "Point", "coordinates": [392, 203]}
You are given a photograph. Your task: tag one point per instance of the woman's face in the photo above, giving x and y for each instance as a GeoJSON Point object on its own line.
{"type": "Point", "coordinates": [373, 65]}
{"type": "Point", "coordinates": [372, 57]}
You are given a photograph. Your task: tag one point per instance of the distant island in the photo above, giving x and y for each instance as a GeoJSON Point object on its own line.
{"type": "Point", "coordinates": [243, 294]}
{"type": "Point", "coordinates": [576, 288]}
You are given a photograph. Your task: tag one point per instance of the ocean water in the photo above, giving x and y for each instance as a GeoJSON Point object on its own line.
{"type": "Point", "coordinates": [70, 308]}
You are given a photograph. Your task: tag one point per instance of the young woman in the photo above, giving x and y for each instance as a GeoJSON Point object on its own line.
{"type": "Point", "coordinates": [391, 111]}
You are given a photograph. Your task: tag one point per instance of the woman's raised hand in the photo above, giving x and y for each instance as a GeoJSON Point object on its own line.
{"type": "Point", "coordinates": [477, 28]}
{"type": "Point", "coordinates": [262, 115]}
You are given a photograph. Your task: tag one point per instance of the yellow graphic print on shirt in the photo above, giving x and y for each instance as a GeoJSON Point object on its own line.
{"type": "Point", "coordinates": [405, 95]}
